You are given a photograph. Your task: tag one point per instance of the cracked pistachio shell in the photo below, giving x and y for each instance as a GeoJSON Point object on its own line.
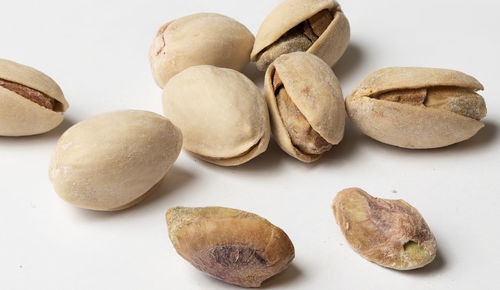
{"type": "Point", "coordinates": [315, 90]}
{"type": "Point", "coordinates": [199, 39]}
{"type": "Point", "coordinates": [19, 116]}
{"type": "Point", "coordinates": [390, 233]}
{"type": "Point", "coordinates": [235, 246]}
{"type": "Point", "coordinates": [407, 126]}
{"type": "Point", "coordinates": [111, 161]}
{"type": "Point", "coordinates": [222, 114]}
{"type": "Point", "coordinates": [331, 44]}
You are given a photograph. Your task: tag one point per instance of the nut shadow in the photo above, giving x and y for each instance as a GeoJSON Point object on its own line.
{"type": "Point", "coordinates": [290, 275]}
{"type": "Point", "coordinates": [255, 75]}
{"type": "Point", "coordinates": [49, 136]}
{"type": "Point", "coordinates": [349, 62]}
{"type": "Point", "coordinates": [269, 160]}
{"type": "Point", "coordinates": [347, 147]}
{"type": "Point", "coordinates": [175, 179]}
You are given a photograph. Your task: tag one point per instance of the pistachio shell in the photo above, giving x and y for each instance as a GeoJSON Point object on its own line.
{"type": "Point", "coordinates": [20, 116]}
{"type": "Point", "coordinates": [315, 90]}
{"type": "Point", "coordinates": [199, 39]}
{"type": "Point", "coordinates": [390, 233]}
{"type": "Point", "coordinates": [222, 114]}
{"type": "Point", "coordinates": [111, 161]}
{"type": "Point", "coordinates": [235, 246]}
{"type": "Point", "coordinates": [331, 44]}
{"type": "Point", "coordinates": [408, 126]}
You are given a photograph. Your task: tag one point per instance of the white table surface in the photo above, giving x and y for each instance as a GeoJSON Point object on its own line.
{"type": "Point", "coordinates": [97, 52]}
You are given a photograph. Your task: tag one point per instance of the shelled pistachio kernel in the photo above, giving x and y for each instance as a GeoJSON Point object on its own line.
{"type": "Point", "coordinates": [30, 102]}
{"type": "Point", "coordinates": [234, 246]}
{"type": "Point", "coordinates": [390, 233]}
{"type": "Point", "coordinates": [316, 26]}
{"type": "Point", "coordinates": [417, 108]}
{"type": "Point", "coordinates": [306, 105]}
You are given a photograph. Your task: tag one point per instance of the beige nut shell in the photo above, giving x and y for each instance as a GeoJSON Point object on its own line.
{"type": "Point", "coordinates": [221, 113]}
{"type": "Point", "coordinates": [198, 230]}
{"type": "Point", "coordinates": [330, 46]}
{"type": "Point", "coordinates": [407, 126]}
{"type": "Point", "coordinates": [315, 90]}
{"type": "Point", "coordinates": [20, 116]}
{"type": "Point", "coordinates": [110, 161]}
{"type": "Point", "coordinates": [199, 39]}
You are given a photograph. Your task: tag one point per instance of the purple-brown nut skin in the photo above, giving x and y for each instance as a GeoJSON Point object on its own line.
{"type": "Point", "coordinates": [237, 247]}
{"type": "Point", "coordinates": [390, 233]}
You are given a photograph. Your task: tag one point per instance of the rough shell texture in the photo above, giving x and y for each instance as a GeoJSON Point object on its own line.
{"type": "Point", "coordinates": [221, 113]}
{"type": "Point", "coordinates": [110, 161]}
{"type": "Point", "coordinates": [20, 116]}
{"type": "Point", "coordinates": [237, 247]}
{"type": "Point", "coordinates": [315, 90]}
{"type": "Point", "coordinates": [330, 46]}
{"type": "Point", "coordinates": [390, 233]}
{"type": "Point", "coordinates": [199, 39]}
{"type": "Point", "coordinates": [407, 126]}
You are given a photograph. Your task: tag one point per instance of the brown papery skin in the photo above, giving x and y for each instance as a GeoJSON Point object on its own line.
{"type": "Point", "coordinates": [390, 233]}
{"type": "Point", "coordinates": [234, 246]}
{"type": "Point", "coordinates": [30, 94]}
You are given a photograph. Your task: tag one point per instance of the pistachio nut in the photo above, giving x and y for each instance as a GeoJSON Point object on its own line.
{"type": "Point", "coordinates": [221, 113]}
{"type": "Point", "coordinates": [235, 246]}
{"type": "Point", "coordinates": [111, 161]}
{"type": "Point", "coordinates": [417, 108]}
{"type": "Point", "coordinates": [390, 233]}
{"type": "Point", "coordinates": [30, 102]}
{"type": "Point", "coordinates": [199, 39]}
{"type": "Point", "coordinates": [316, 26]}
{"type": "Point", "coordinates": [306, 105]}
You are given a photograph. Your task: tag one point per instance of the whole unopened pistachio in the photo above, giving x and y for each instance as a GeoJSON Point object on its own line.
{"type": "Point", "coordinates": [306, 105]}
{"type": "Point", "coordinates": [112, 161]}
{"type": "Point", "coordinates": [235, 246]}
{"type": "Point", "coordinates": [316, 26]}
{"type": "Point", "coordinates": [390, 233]}
{"type": "Point", "coordinates": [198, 39]}
{"type": "Point", "coordinates": [417, 108]}
{"type": "Point", "coordinates": [221, 113]}
{"type": "Point", "coordinates": [30, 102]}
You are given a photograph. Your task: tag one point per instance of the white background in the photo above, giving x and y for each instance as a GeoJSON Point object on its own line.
{"type": "Point", "coordinates": [97, 52]}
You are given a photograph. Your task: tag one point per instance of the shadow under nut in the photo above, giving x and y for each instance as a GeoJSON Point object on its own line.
{"type": "Point", "coordinates": [417, 108]}
{"type": "Point", "coordinates": [237, 247]}
{"type": "Point", "coordinates": [30, 102]}
{"type": "Point", "coordinates": [390, 233]}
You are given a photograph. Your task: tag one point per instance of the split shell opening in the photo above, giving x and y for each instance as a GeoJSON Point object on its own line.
{"type": "Point", "coordinates": [31, 103]}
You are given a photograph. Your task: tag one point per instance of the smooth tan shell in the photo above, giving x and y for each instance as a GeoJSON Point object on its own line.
{"type": "Point", "coordinates": [196, 230]}
{"type": "Point", "coordinates": [20, 116]}
{"type": "Point", "coordinates": [199, 39]}
{"type": "Point", "coordinates": [409, 126]}
{"type": "Point", "coordinates": [330, 46]}
{"type": "Point", "coordinates": [220, 112]}
{"type": "Point", "coordinates": [110, 161]}
{"type": "Point", "coordinates": [315, 90]}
